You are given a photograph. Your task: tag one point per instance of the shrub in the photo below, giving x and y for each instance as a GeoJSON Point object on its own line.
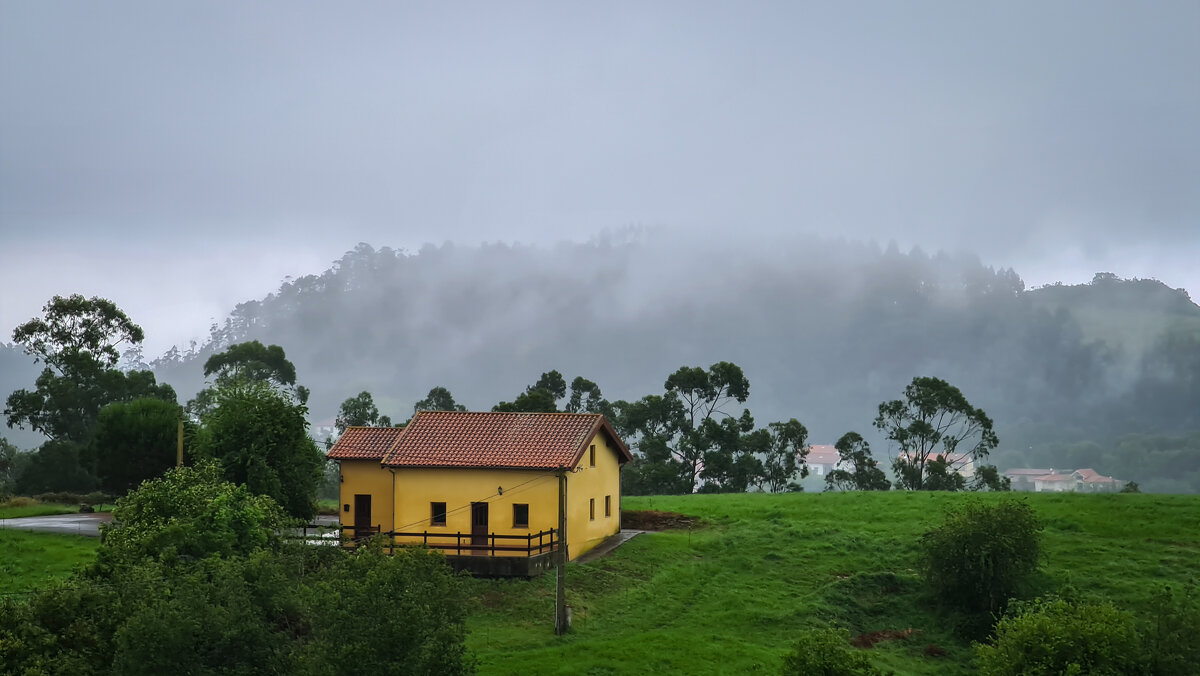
{"type": "Point", "coordinates": [189, 513]}
{"type": "Point", "coordinates": [1060, 637]}
{"type": "Point", "coordinates": [826, 652]}
{"type": "Point", "coordinates": [981, 555]}
{"type": "Point", "coordinates": [1170, 634]}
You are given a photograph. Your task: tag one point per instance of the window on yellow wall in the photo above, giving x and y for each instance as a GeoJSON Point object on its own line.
{"type": "Point", "coordinates": [437, 514]}
{"type": "Point", "coordinates": [592, 455]}
{"type": "Point", "coordinates": [520, 516]}
{"type": "Point", "coordinates": [592, 508]}
{"type": "Point", "coordinates": [608, 505]}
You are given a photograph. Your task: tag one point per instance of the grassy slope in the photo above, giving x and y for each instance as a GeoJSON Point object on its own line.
{"type": "Point", "coordinates": [31, 560]}
{"type": "Point", "coordinates": [729, 598]}
{"type": "Point", "coordinates": [41, 509]}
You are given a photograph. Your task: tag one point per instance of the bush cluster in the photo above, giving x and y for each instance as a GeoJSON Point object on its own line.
{"type": "Point", "coordinates": [826, 652]}
{"type": "Point", "coordinates": [981, 555]}
{"type": "Point", "coordinates": [193, 578]}
{"type": "Point", "coordinates": [1056, 636]}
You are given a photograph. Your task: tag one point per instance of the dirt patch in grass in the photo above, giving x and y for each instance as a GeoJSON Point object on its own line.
{"type": "Point", "coordinates": [870, 639]}
{"type": "Point", "coordinates": [935, 650]}
{"type": "Point", "coordinates": [649, 519]}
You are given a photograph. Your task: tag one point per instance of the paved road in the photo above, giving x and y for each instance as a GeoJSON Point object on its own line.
{"type": "Point", "coordinates": [75, 524]}
{"type": "Point", "coordinates": [605, 548]}
{"type": "Point", "coordinates": [89, 524]}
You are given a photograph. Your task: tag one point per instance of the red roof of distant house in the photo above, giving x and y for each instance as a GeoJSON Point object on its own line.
{"type": "Point", "coordinates": [1091, 476]}
{"type": "Point", "coordinates": [1056, 477]}
{"type": "Point", "coordinates": [1024, 471]}
{"type": "Point", "coordinates": [364, 443]}
{"type": "Point", "coordinates": [502, 440]}
{"type": "Point", "coordinates": [823, 454]}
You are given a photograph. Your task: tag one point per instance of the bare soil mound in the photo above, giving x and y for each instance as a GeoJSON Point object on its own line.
{"type": "Point", "coordinates": [649, 519]}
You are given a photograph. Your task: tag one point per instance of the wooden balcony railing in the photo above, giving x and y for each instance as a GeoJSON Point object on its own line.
{"type": "Point", "coordinates": [530, 544]}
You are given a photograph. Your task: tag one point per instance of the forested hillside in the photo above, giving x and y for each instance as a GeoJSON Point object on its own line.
{"type": "Point", "coordinates": [1105, 374]}
{"type": "Point", "coordinates": [824, 330]}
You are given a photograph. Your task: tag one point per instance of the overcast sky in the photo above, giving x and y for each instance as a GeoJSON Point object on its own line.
{"type": "Point", "coordinates": [182, 157]}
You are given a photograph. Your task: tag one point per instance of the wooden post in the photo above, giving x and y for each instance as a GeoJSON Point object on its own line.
{"type": "Point", "coordinates": [179, 447]}
{"type": "Point", "coordinates": [560, 601]}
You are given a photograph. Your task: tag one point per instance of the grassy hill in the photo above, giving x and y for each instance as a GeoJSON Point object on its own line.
{"type": "Point", "coordinates": [1124, 313]}
{"type": "Point", "coordinates": [730, 597]}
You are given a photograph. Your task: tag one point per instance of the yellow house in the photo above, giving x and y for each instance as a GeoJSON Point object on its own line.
{"type": "Point", "coordinates": [484, 484]}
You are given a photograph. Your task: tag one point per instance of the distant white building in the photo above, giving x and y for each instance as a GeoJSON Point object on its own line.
{"type": "Point", "coordinates": [822, 459]}
{"type": "Point", "coordinates": [1085, 480]}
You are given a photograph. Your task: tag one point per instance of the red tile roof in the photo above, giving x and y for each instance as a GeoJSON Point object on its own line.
{"type": "Point", "coordinates": [1025, 471]}
{"type": "Point", "coordinates": [503, 440]}
{"type": "Point", "coordinates": [1055, 477]}
{"type": "Point", "coordinates": [1091, 476]}
{"type": "Point", "coordinates": [364, 443]}
{"type": "Point", "coordinates": [823, 454]}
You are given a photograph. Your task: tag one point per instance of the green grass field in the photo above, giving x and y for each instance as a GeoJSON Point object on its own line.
{"type": "Point", "coordinates": [730, 597]}
{"type": "Point", "coordinates": [40, 509]}
{"type": "Point", "coordinates": [32, 560]}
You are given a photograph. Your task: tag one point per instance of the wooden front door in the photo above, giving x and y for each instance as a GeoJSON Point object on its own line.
{"type": "Point", "coordinates": [362, 515]}
{"type": "Point", "coordinates": [479, 525]}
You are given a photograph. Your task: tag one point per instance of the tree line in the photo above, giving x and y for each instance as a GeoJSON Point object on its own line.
{"type": "Point", "coordinates": [698, 435]}
{"type": "Point", "coordinates": [110, 430]}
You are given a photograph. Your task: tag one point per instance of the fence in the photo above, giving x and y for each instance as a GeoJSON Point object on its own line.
{"type": "Point", "coordinates": [530, 544]}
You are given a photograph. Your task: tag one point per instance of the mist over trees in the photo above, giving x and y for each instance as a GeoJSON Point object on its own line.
{"type": "Point", "coordinates": [824, 329]}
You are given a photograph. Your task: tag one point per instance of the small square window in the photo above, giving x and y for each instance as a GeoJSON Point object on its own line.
{"type": "Point", "coordinates": [608, 505]}
{"type": "Point", "coordinates": [592, 508]}
{"type": "Point", "coordinates": [592, 455]}
{"type": "Point", "coordinates": [520, 516]}
{"type": "Point", "coordinates": [437, 512]}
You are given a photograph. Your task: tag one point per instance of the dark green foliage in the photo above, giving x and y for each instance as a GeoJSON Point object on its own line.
{"type": "Point", "coordinates": [784, 448]}
{"type": "Point", "coordinates": [360, 411]}
{"type": "Point", "coordinates": [398, 614]}
{"type": "Point", "coordinates": [1050, 637]}
{"type": "Point", "coordinates": [982, 554]}
{"type": "Point", "coordinates": [543, 397]}
{"type": "Point", "coordinates": [216, 616]}
{"type": "Point", "coordinates": [64, 405]}
{"type": "Point", "coordinates": [135, 441]}
{"type": "Point", "coordinates": [194, 579]}
{"type": "Point", "coordinates": [58, 465]}
{"type": "Point", "coordinates": [585, 397]}
{"type": "Point", "coordinates": [940, 475]}
{"type": "Point", "coordinates": [77, 341]}
{"type": "Point", "coordinates": [728, 447]}
{"type": "Point", "coordinates": [62, 630]}
{"type": "Point", "coordinates": [826, 652]}
{"type": "Point", "coordinates": [686, 436]}
{"type": "Point", "coordinates": [189, 513]}
{"type": "Point", "coordinates": [76, 325]}
{"type": "Point", "coordinates": [532, 401]}
{"type": "Point", "coordinates": [9, 461]}
{"type": "Point", "coordinates": [1170, 632]}
{"type": "Point", "coordinates": [260, 437]}
{"type": "Point", "coordinates": [1131, 487]}
{"type": "Point", "coordinates": [934, 423]}
{"type": "Point", "coordinates": [438, 399]}
{"type": "Point", "coordinates": [863, 473]}
{"type": "Point", "coordinates": [988, 478]}
{"type": "Point", "coordinates": [704, 393]}
{"type": "Point", "coordinates": [251, 361]}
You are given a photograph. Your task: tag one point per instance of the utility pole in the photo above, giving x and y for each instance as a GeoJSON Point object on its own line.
{"type": "Point", "coordinates": [561, 622]}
